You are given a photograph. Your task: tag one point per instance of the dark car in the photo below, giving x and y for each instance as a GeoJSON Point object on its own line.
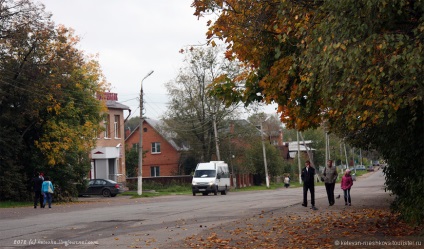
{"type": "Point", "coordinates": [103, 187]}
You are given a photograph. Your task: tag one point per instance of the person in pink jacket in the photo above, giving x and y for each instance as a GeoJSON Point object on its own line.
{"type": "Point", "coordinates": [346, 184]}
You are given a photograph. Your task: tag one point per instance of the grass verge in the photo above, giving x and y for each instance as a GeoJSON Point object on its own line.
{"type": "Point", "coordinates": [13, 204]}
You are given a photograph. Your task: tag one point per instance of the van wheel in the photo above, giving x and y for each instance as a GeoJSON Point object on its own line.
{"type": "Point", "coordinates": [224, 192]}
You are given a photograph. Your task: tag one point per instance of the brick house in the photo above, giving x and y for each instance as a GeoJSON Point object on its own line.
{"type": "Point", "coordinates": [163, 155]}
{"type": "Point", "coordinates": [108, 158]}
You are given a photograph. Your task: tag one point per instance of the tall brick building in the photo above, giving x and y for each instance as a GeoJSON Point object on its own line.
{"type": "Point", "coordinates": [108, 158]}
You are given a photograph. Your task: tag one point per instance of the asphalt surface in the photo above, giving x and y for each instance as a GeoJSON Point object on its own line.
{"type": "Point", "coordinates": [368, 191]}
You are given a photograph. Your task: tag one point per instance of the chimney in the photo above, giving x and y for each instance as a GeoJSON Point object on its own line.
{"type": "Point", "coordinates": [280, 138]}
{"type": "Point", "coordinates": [127, 132]}
{"type": "Point", "coordinates": [231, 127]}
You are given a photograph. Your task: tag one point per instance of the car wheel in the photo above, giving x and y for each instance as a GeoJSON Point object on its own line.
{"type": "Point", "coordinates": [106, 192]}
{"type": "Point", "coordinates": [113, 195]}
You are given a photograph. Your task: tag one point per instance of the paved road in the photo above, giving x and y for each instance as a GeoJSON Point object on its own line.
{"type": "Point", "coordinates": [148, 222]}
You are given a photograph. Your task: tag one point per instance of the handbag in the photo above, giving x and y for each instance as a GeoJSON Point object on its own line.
{"type": "Point", "coordinates": [50, 190]}
{"type": "Point", "coordinates": [322, 178]}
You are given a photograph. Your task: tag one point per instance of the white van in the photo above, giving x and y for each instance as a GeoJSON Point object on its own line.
{"type": "Point", "coordinates": [211, 177]}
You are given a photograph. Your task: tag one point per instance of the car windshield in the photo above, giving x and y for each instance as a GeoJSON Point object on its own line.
{"type": "Point", "coordinates": [205, 173]}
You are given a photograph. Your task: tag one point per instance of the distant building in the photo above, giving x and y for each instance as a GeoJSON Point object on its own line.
{"type": "Point", "coordinates": [108, 158]}
{"type": "Point", "coordinates": [303, 148]}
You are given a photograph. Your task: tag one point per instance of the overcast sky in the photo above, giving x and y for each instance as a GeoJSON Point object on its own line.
{"type": "Point", "coordinates": [131, 38]}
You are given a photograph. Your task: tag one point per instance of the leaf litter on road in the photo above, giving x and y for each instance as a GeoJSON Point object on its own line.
{"type": "Point", "coordinates": [307, 230]}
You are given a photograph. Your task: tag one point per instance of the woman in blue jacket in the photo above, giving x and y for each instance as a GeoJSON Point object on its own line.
{"type": "Point", "coordinates": [47, 189]}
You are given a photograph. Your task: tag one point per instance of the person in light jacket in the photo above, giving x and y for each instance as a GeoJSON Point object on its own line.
{"type": "Point", "coordinates": [287, 181]}
{"type": "Point", "coordinates": [48, 195]}
{"type": "Point", "coordinates": [346, 184]}
{"type": "Point", "coordinates": [330, 176]}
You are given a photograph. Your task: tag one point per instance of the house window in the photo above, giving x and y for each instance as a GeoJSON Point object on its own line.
{"type": "Point", "coordinates": [154, 171]}
{"type": "Point", "coordinates": [97, 134]}
{"type": "Point", "coordinates": [106, 126]}
{"type": "Point", "coordinates": [117, 126]}
{"type": "Point", "coordinates": [155, 148]}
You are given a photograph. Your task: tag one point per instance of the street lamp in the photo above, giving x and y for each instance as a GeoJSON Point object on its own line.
{"type": "Point", "coordinates": [263, 149]}
{"type": "Point", "coordinates": [140, 146]}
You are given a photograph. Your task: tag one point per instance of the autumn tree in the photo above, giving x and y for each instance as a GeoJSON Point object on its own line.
{"type": "Point", "coordinates": [356, 66]}
{"type": "Point", "coordinates": [47, 99]}
{"type": "Point", "coordinates": [192, 111]}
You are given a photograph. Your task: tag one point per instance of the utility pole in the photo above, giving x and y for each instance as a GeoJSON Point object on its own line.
{"type": "Point", "coordinates": [264, 152]}
{"type": "Point", "coordinates": [310, 156]}
{"type": "Point", "coordinates": [326, 150]}
{"type": "Point", "coordinates": [298, 158]}
{"type": "Point", "coordinates": [140, 145]}
{"type": "Point", "coordinates": [341, 156]}
{"type": "Point", "coordinates": [347, 162]}
{"type": "Point", "coordinates": [308, 151]}
{"type": "Point", "coordinates": [218, 156]}
{"type": "Point", "coordinates": [328, 147]}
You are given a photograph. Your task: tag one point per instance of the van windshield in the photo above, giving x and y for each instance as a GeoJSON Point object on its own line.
{"type": "Point", "coordinates": [205, 173]}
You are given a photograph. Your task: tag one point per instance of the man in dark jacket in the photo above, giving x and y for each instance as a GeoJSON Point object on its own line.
{"type": "Point", "coordinates": [37, 181]}
{"type": "Point", "coordinates": [308, 178]}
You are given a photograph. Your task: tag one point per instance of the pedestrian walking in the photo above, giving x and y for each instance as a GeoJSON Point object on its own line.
{"type": "Point", "coordinates": [330, 177]}
{"type": "Point", "coordinates": [47, 189]}
{"type": "Point", "coordinates": [38, 196]}
{"type": "Point", "coordinates": [287, 181]}
{"type": "Point", "coordinates": [308, 178]}
{"type": "Point", "coordinates": [346, 184]}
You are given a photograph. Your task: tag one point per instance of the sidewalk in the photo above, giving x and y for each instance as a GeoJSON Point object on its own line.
{"type": "Point", "coordinates": [367, 223]}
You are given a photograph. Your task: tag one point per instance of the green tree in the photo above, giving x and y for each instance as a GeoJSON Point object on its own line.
{"type": "Point", "coordinates": [47, 100]}
{"type": "Point", "coordinates": [16, 20]}
{"type": "Point", "coordinates": [356, 65]}
{"type": "Point", "coordinates": [131, 162]}
{"type": "Point", "coordinates": [192, 110]}
{"type": "Point", "coordinates": [255, 158]}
